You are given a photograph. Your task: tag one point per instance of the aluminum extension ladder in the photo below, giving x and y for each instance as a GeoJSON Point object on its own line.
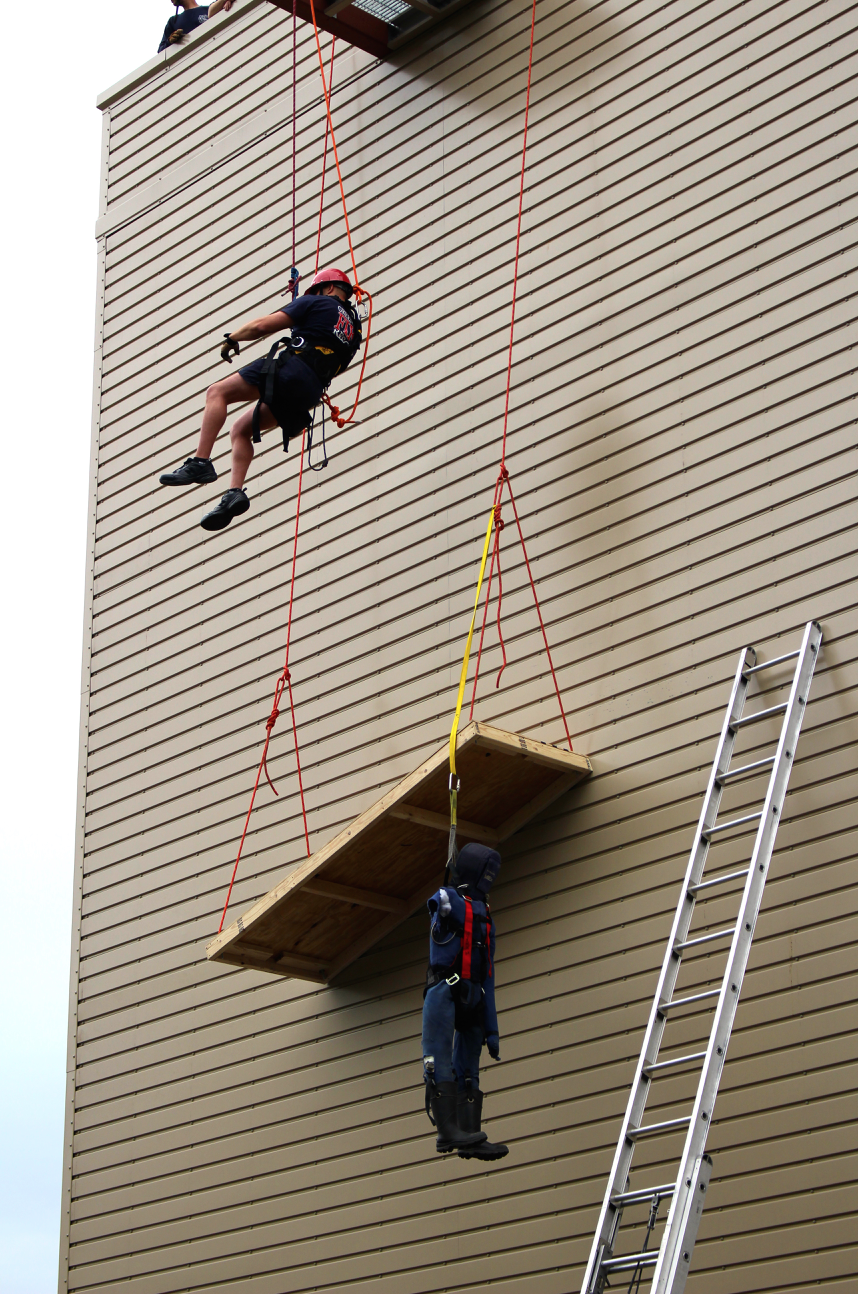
{"type": "Point", "coordinates": [672, 1258]}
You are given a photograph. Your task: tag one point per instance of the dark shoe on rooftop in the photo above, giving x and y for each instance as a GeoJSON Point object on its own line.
{"type": "Point", "coordinates": [233, 504]}
{"type": "Point", "coordinates": [194, 471]}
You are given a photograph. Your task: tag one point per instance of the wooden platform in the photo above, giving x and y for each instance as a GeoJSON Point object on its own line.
{"type": "Point", "coordinates": [387, 863]}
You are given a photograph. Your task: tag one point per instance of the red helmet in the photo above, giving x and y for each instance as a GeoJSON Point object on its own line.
{"type": "Point", "coordinates": [330, 275]}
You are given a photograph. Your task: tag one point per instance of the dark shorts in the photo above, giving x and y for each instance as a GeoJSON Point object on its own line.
{"type": "Point", "coordinates": [296, 390]}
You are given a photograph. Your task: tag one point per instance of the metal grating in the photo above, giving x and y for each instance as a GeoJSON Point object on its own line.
{"type": "Point", "coordinates": [386, 10]}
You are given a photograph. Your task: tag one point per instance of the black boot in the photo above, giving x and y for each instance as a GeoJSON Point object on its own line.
{"type": "Point", "coordinates": [194, 471]}
{"type": "Point", "coordinates": [233, 504]}
{"type": "Point", "coordinates": [442, 1098]}
{"type": "Point", "coordinates": [469, 1114]}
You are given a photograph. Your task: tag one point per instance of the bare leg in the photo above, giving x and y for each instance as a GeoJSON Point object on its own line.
{"type": "Point", "coordinates": [231, 390]}
{"type": "Point", "coordinates": [241, 433]}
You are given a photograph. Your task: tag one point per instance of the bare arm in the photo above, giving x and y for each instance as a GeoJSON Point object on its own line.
{"type": "Point", "coordinates": [262, 327]}
{"type": "Point", "coordinates": [218, 5]}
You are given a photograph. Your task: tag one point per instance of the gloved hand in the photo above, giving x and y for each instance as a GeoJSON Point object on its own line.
{"type": "Point", "coordinates": [230, 346]}
{"type": "Point", "coordinates": [176, 37]}
{"type": "Point", "coordinates": [445, 908]}
{"type": "Point", "coordinates": [493, 1044]}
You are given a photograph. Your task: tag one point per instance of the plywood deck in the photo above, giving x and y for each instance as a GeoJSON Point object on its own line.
{"type": "Point", "coordinates": [387, 863]}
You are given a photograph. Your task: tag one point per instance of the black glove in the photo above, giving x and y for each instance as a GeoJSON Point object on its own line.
{"type": "Point", "coordinates": [229, 347]}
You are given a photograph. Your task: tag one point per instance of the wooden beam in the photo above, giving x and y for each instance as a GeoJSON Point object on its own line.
{"type": "Point", "coordinates": [350, 894]}
{"type": "Point", "coordinates": [510, 743]}
{"type": "Point", "coordinates": [473, 830]}
{"type": "Point", "coordinates": [384, 927]}
{"type": "Point", "coordinates": [551, 793]}
{"type": "Point", "coordinates": [295, 961]}
{"type": "Point", "coordinates": [245, 953]}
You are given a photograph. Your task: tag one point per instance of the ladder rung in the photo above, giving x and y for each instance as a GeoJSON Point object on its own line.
{"type": "Point", "coordinates": [704, 939]}
{"type": "Point", "coordinates": [671, 1064]}
{"type": "Point", "coordinates": [686, 1001]}
{"type": "Point", "coordinates": [646, 1193]}
{"type": "Point", "coordinates": [746, 768]}
{"type": "Point", "coordinates": [760, 714]}
{"type": "Point", "coordinates": [776, 660]}
{"type": "Point", "coordinates": [718, 880]}
{"type": "Point", "coordinates": [736, 822]}
{"type": "Point", "coordinates": [646, 1259]}
{"type": "Point", "coordinates": [659, 1127]}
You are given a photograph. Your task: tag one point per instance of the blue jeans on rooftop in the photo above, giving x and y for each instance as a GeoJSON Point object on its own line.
{"type": "Point", "coordinates": [452, 1059]}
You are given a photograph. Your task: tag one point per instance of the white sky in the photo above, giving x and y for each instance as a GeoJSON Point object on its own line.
{"type": "Point", "coordinates": [59, 56]}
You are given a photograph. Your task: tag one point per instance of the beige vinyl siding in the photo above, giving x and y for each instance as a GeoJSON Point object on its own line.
{"type": "Point", "coordinates": [683, 451]}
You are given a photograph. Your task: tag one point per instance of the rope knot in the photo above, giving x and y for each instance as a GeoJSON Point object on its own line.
{"type": "Point", "coordinates": [272, 719]}
{"type": "Point", "coordinates": [499, 522]}
{"type": "Point", "coordinates": [503, 474]}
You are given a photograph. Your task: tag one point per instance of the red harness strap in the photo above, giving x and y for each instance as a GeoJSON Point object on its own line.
{"type": "Point", "coordinates": [467, 940]}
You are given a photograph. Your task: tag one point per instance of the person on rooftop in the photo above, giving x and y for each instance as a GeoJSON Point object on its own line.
{"type": "Point", "coordinates": [182, 24]}
{"type": "Point", "coordinates": [285, 386]}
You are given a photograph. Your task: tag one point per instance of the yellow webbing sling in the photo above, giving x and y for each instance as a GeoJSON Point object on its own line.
{"type": "Point", "coordinates": [463, 678]}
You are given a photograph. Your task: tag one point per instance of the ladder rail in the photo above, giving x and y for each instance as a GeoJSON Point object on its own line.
{"type": "Point", "coordinates": [672, 1268]}
{"type": "Point", "coordinates": [641, 1082]}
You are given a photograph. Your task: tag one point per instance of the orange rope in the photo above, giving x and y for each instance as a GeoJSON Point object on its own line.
{"type": "Point", "coordinates": [284, 682]}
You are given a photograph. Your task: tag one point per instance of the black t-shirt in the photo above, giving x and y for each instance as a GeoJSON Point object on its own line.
{"type": "Point", "coordinates": [186, 21]}
{"type": "Point", "coordinates": [326, 321]}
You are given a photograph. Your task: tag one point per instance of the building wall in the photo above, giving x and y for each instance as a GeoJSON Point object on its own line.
{"type": "Point", "coordinates": [682, 444]}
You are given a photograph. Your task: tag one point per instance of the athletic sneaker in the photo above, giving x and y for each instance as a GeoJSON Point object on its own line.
{"type": "Point", "coordinates": [194, 471]}
{"type": "Point", "coordinates": [233, 504]}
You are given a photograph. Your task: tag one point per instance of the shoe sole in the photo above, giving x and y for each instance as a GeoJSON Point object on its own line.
{"type": "Point", "coordinates": [475, 1154]}
{"type": "Point", "coordinates": [166, 480]}
{"type": "Point", "coordinates": [222, 519]}
{"type": "Point", "coordinates": [447, 1147]}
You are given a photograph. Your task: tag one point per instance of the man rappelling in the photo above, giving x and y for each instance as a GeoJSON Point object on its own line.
{"type": "Point", "coordinates": [326, 335]}
{"type": "Point", "coordinates": [459, 1013]}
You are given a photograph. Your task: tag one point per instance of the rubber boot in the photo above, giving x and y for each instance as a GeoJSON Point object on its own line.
{"type": "Point", "coordinates": [443, 1100]}
{"type": "Point", "coordinates": [469, 1115]}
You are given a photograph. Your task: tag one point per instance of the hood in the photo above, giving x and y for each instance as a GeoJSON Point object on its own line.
{"type": "Point", "coordinates": [476, 867]}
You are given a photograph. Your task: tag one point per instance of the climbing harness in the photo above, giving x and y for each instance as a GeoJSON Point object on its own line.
{"type": "Point", "coordinates": [496, 524]}
{"type": "Point", "coordinates": [321, 360]}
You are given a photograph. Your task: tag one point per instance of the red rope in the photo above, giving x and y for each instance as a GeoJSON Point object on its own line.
{"type": "Point", "coordinates": [324, 162]}
{"type": "Point", "coordinates": [283, 682]}
{"type": "Point", "coordinates": [503, 478]}
{"type": "Point", "coordinates": [294, 125]}
{"type": "Point", "coordinates": [538, 610]}
{"type": "Point", "coordinates": [517, 232]}
{"type": "Point", "coordinates": [360, 292]}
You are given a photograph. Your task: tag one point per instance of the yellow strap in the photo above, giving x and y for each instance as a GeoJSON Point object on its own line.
{"type": "Point", "coordinates": [463, 678]}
